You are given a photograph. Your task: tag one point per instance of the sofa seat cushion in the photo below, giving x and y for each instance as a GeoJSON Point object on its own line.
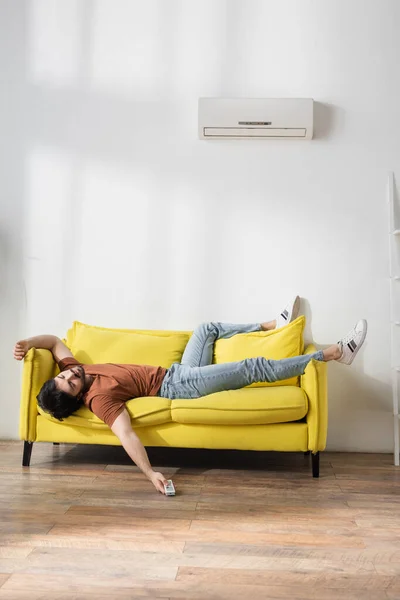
{"type": "Point", "coordinates": [144, 412]}
{"type": "Point", "coordinates": [255, 406]}
{"type": "Point", "coordinates": [151, 410]}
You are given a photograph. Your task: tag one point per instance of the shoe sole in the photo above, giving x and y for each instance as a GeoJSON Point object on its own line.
{"type": "Point", "coordinates": [296, 308]}
{"type": "Point", "coordinates": [293, 313]}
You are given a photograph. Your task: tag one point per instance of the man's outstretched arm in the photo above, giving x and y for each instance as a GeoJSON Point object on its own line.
{"type": "Point", "coordinates": [48, 342]}
{"type": "Point", "coordinates": [123, 430]}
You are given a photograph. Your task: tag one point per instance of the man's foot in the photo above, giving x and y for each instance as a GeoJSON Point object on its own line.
{"type": "Point", "coordinates": [289, 313]}
{"type": "Point", "coordinates": [332, 352]}
{"type": "Point", "coordinates": [352, 342]}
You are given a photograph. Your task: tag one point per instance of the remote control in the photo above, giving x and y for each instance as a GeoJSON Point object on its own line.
{"type": "Point", "coordinates": [169, 488]}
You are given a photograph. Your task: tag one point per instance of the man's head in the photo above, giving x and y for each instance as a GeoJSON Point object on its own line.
{"type": "Point", "coordinates": [63, 395]}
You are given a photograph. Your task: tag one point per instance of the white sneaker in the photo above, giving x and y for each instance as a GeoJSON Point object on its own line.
{"type": "Point", "coordinates": [352, 342]}
{"type": "Point", "coordinates": [289, 313]}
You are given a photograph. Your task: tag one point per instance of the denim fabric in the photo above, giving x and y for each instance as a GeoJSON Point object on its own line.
{"type": "Point", "coordinates": [200, 347]}
{"type": "Point", "coordinates": [195, 376]}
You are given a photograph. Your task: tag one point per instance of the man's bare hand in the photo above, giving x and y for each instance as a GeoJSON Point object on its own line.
{"type": "Point", "coordinates": [158, 480]}
{"type": "Point", "coordinates": [20, 349]}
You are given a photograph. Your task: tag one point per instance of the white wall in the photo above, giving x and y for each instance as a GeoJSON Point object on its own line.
{"type": "Point", "coordinates": [114, 213]}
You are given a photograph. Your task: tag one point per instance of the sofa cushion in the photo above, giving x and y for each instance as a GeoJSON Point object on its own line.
{"type": "Point", "coordinates": [91, 345]}
{"type": "Point", "coordinates": [284, 342]}
{"type": "Point", "coordinates": [143, 411]}
{"type": "Point", "coordinates": [258, 406]}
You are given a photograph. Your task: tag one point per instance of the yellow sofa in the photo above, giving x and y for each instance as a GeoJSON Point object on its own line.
{"type": "Point", "coordinates": [288, 416]}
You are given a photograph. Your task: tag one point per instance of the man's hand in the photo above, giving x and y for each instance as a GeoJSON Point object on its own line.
{"type": "Point", "coordinates": [158, 480]}
{"type": "Point", "coordinates": [122, 428]}
{"type": "Point", "coordinates": [21, 349]}
{"type": "Point", "coordinates": [48, 342]}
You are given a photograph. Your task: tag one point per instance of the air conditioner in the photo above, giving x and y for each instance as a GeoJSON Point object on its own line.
{"type": "Point", "coordinates": [256, 118]}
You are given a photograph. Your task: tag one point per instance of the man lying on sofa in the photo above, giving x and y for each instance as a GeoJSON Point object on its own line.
{"type": "Point", "coordinates": [104, 388]}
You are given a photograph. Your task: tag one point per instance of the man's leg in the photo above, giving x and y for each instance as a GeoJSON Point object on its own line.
{"type": "Point", "coordinates": [200, 347]}
{"type": "Point", "coordinates": [182, 381]}
{"type": "Point", "coordinates": [193, 382]}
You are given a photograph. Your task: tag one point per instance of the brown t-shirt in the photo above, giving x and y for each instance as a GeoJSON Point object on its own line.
{"type": "Point", "coordinates": [114, 384]}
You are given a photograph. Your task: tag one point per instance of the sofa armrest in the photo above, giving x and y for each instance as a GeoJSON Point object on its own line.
{"type": "Point", "coordinates": [39, 366]}
{"type": "Point", "coordinates": [314, 383]}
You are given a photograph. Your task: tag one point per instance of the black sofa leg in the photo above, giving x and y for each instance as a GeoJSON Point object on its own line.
{"type": "Point", "coordinates": [315, 464]}
{"type": "Point", "coordinates": [26, 458]}
{"type": "Point", "coordinates": [56, 443]}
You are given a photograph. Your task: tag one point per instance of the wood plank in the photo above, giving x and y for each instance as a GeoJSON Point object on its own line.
{"type": "Point", "coordinates": [55, 469]}
{"type": "Point", "coordinates": [357, 458]}
{"type": "Point", "coordinates": [28, 527]}
{"type": "Point", "coordinates": [261, 526]}
{"type": "Point", "coordinates": [81, 562]}
{"type": "Point", "coordinates": [281, 539]}
{"type": "Point", "coordinates": [101, 526]}
{"type": "Point", "coordinates": [61, 561]}
{"type": "Point", "coordinates": [8, 551]}
{"type": "Point", "coordinates": [35, 477]}
{"type": "Point", "coordinates": [382, 474]}
{"type": "Point", "coordinates": [132, 502]}
{"type": "Point", "coordinates": [376, 505]}
{"type": "Point", "coordinates": [138, 543]}
{"type": "Point", "coordinates": [150, 520]}
{"type": "Point", "coordinates": [393, 591]}
{"type": "Point", "coordinates": [126, 587]}
{"type": "Point", "coordinates": [369, 487]}
{"type": "Point", "coordinates": [164, 510]}
{"type": "Point", "coordinates": [3, 578]}
{"type": "Point", "coordinates": [22, 512]}
{"type": "Point", "coordinates": [354, 556]}
{"type": "Point", "coordinates": [355, 582]}
{"type": "Point", "coordinates": [217, 536]}
{"type": "Point", "coordinates": [259, 511]}
{"type": "Point", "coordinates": [273, 485]}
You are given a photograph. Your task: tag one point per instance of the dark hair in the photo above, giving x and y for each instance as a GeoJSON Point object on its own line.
{"type": "Point", "coordinates": [56, 402]}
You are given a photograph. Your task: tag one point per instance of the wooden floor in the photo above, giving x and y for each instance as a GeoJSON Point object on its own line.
{"type": "Point", "coordinates": [82, 522]}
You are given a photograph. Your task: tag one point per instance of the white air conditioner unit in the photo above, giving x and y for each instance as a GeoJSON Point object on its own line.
{"type": "Point", "coordinates": [256, 118]}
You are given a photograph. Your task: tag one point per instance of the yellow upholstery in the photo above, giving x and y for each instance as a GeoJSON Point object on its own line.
{"type": "Point", "coordinates": [143, 411]}
{"type": "Point", "coordinates": [243, 407]}
{"type": "Point", "coordinates": [314, 383]}
{"type": "Point", "coordinates": [282, 437]}
{"type": "Point", "coordinates": [277, 417]}
{"type": "Point", "coordinates": [39, 366]}
{"type": "Point", "coordinates": [94, 345]}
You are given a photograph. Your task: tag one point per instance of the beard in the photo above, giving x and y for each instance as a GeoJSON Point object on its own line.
{"type": "Point", "coordinates": [86, 379]}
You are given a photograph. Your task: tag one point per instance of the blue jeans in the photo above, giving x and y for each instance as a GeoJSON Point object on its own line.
{"type": "Point", "coordinates": [195, 376]}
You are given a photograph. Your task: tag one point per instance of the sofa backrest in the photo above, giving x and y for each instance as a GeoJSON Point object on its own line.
{"type": "Point", "coordinates": [92, 344]}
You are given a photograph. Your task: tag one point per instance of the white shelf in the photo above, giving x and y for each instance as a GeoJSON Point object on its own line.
{"type": "Point", "coordinates": [393, 251]}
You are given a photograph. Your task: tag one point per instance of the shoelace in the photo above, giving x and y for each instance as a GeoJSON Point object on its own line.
{"type": "Point", "coordinates": [350, 337]}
